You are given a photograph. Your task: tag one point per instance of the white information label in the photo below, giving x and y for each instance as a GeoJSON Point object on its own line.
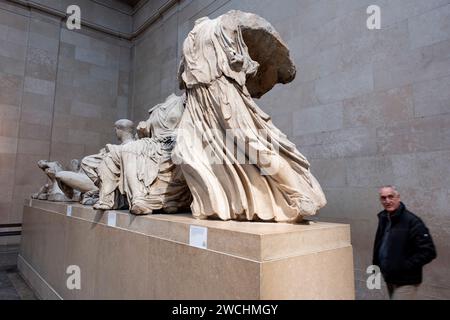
{"type": "Point", "coordinates": [112, 218]}
{"type": "Point", "coordinates": [198, 237]}
{"type": "Point", "coordinates": [69, 211]}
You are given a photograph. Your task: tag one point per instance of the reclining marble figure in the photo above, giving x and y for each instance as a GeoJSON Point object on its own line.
{"type": "Point", "coordinates": [51, 190]}
{"type": "Point", "coordinates": [143, 170]}
{"type": "Point", "coordinates": [86, 180]}
{"type": "Point", "coordinates": [227, 61]}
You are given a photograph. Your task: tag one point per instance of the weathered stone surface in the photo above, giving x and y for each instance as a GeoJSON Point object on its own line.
{"type": "Point", "coordinates": [143, 170]}
{"type": "Point", "coordinates": [259, 181]}
{"type": "Point", "coordinates": [50, 191]}
{"type": "Point", "coordinates": [266, 47]}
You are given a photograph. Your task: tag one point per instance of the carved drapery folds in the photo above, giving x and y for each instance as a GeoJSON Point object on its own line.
{"type": "Point", "coordinates": [212, 149]}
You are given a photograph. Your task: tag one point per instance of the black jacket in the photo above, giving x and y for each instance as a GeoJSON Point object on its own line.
{"type": "Point", "coordinates": [408, 248]}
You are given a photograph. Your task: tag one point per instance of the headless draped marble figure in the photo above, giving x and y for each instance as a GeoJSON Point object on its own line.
{"type": "Point", "coordinates": [143, 170]}
{"type": "Point", "coordinates": [85, 180]}
{"type": "Point", "coordinates": [274, 182]}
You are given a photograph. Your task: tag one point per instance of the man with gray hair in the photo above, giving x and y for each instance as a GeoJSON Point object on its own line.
{"type": "Point", "coordinates": [403, 245]}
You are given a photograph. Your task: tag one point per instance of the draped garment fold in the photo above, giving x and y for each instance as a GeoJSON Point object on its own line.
{"type": "Point", "coordinates": [237, 164]}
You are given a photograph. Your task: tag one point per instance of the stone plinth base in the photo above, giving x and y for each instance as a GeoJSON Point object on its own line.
{"type": "Point", "coordinates": [121, 256]}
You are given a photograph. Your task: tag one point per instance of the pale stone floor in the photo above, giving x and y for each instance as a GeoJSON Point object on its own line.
{"type": "Point", "coordinates": [12, 286]}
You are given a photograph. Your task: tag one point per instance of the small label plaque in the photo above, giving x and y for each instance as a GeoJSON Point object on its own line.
{"type": "Point", "coordinates": [112, 219]}
{"type": "Point", "coordinates": [198, 237]}
{"type": "Point", "coordinates": [69, 211]}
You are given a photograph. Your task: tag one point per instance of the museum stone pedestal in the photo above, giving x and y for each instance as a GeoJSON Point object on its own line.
{"type": "Point", "coordinates": [121, 256]}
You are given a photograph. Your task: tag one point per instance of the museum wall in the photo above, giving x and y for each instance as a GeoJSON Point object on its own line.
{"type": "Point", "coordinates": [368, 107]}
{"type": "Point", "coordinates": [60, 93]}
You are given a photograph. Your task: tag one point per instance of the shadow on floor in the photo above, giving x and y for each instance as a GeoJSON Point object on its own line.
{"type": "Point", "coordinates": [12, 285]}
